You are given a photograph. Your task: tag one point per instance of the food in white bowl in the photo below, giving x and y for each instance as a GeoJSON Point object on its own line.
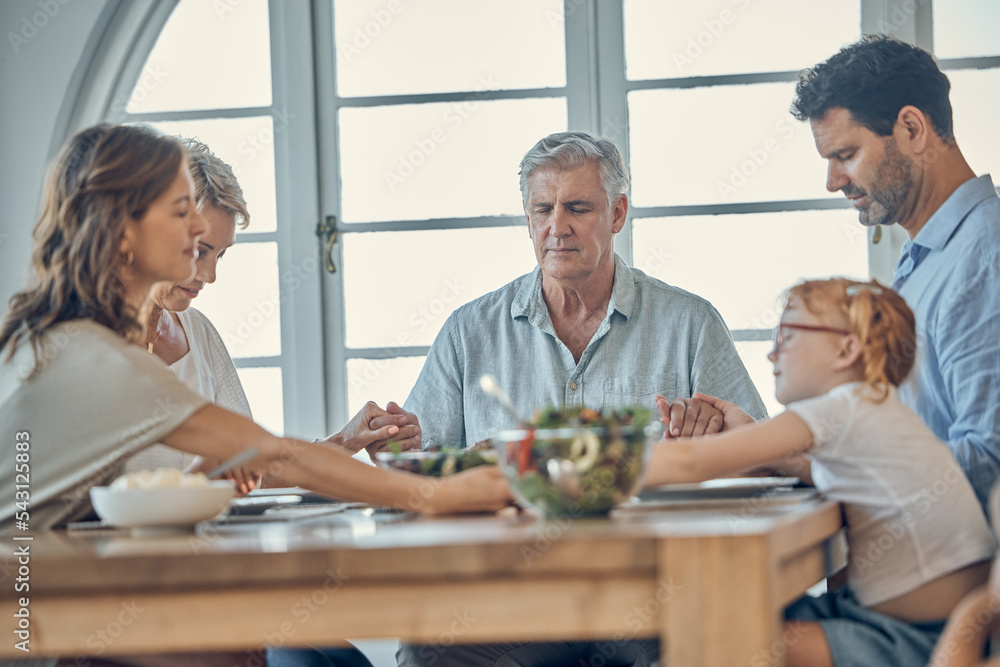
{"type": "Point", "coordinates": [162, 498]}
{"type": "Point", "coordinates": [159, 478]}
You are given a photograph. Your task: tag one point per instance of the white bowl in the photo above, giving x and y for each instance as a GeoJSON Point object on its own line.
{"type": "Point", "coordinates": [161, 506]}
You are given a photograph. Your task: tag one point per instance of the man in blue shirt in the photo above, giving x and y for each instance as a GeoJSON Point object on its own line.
{"type": "Point", "coordinates": [881, 117]}
{"type": "Point", "coordinates": [584, 328]}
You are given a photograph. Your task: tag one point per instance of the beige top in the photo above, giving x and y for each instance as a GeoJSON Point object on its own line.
{"type": "Point", "coordinates": [96, 400]}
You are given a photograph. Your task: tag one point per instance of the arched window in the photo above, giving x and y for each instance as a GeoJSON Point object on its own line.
{"type": "Point", "coordinates": [209, 76]}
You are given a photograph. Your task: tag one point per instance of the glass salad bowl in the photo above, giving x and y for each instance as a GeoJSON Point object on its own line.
{"type": "Point", "coordinates": [576, 462]}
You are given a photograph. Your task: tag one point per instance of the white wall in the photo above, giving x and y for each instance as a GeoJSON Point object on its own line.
{"type": "Point", "coordinates": [40, 68]}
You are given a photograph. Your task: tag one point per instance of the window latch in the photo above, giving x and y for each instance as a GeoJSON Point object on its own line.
{"type": "Point", "coordinates": [326, 230]}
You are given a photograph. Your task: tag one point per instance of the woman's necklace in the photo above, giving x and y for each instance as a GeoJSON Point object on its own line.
{"type": "Point", "coordinates": [149, 343]}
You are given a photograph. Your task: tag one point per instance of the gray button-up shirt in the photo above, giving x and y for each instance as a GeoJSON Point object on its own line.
{"type": "Point", "coordinates": [655, 339]}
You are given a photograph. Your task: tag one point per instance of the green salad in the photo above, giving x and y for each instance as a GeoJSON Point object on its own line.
{"type": "Point", "coordinates": [436, 461]}
{"type": "Point", "coordinates": [577, 461]}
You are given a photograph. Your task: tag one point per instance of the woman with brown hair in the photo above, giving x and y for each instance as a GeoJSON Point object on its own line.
{"type": "Point", "coordinates": [182, 336]}
{"type": "Point", "coordinates": [116, 221]}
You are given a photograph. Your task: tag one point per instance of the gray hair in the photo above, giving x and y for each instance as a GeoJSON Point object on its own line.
{"type": "Point", "coordinates": [566, 150]}
{"type": "Point", "coordinates": [215, 182]}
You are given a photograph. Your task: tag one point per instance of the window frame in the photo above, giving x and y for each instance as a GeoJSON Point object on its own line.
{"type": "Point", "coordinates": [577, 91]}
{"type": "Point", "coordinates": [303, 53]}
{"type": "Point", "coordinates": [296, 198]}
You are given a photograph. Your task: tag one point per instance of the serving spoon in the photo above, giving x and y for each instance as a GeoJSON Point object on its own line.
{"type": "Point", "coordinates": [561, 472]}
{"type": "Point", "coordinates": [490, 386]}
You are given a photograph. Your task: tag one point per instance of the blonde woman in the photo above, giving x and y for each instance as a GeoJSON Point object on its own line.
{"type": "Point", "coordinates": [191, 346]}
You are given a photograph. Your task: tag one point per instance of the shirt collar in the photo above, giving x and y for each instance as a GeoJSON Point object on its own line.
{"type": "Point", "coordinates": [941, 226]}
{"type": "Point", "coordinates": [528, 301]}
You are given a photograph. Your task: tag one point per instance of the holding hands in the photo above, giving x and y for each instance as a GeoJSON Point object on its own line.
{"type": "Point", "coordinates": [699, 415]}
{"type": "Point", "coordinates": [373, 429]}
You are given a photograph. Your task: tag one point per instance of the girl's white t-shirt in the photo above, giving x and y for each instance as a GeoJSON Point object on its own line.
{"type": "Point", "coordinates": [911, 513]}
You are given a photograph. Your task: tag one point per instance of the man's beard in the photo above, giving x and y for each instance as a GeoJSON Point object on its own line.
{"type": "Point", "coordinates": [894, 180]}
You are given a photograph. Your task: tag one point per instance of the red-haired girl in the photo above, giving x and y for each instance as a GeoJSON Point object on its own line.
{"type": "Point", "coordinates": [917, 538]}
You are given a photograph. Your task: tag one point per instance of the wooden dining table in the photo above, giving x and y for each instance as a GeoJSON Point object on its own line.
{"type": "Point", "coordinates": [708, 578]}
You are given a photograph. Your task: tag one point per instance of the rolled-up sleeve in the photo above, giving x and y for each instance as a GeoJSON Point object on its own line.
{"type": "Point", "coordinates": [437, 397]}
{"type": "Point", "coordinates": [967, 345]}
{"type": "Point", "coordinates": [717, 369]}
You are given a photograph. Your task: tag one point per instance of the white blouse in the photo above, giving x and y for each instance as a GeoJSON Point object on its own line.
{"type": "Point", "coordinates": [209, 370]}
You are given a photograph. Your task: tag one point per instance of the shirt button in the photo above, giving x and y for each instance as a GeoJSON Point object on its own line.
{"type": "Point", "coordinates": [572, 385]}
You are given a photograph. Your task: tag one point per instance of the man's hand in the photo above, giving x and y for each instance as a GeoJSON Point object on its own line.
{"type": "Point", "coordinates": [689, 417]}
{"type": "Point", "coordinates": [373, 428]}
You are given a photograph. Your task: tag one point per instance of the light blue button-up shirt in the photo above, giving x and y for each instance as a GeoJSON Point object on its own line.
{"type": "Point", "coordinates": [950, 276]}
{"type": "Point", "coordinates": [655, 339]}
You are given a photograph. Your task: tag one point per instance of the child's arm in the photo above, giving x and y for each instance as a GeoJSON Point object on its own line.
{"type": "Point", "coordinates": [728, 417]}
{"type": "Point", "coordinates": [793, 465]}
{"type": "Point", "coordinates": [688, 460]}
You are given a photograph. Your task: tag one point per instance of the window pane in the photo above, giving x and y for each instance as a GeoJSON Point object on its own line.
{"type": "Point", "coordinates": [400, 287]}
{"type": "Point", "coordinates": [456, 159]}
{"type": "Point", "coordinates": [742, 263]}
{"type": "Point", "coordinates": [247, 145]}
{"type": "Point", "coordinates": [975, 98]}
{"type": "Point", "coordinates": [380, 380]}
{"type": "Point", "coordinates": [721, 144]}
{"type": "Point", "coordinates": [754, 356]}
{"type": "Point", "coordinates": [666, 39]}
{"type": "Point", "coordinates": [244, 303]}
{"type": "Point", "coordinates": [263, 390]}
{"type": "Point", "coordinates": [965, 28]}
{"type": "Point", "coordinates": [210, 55]}
{"type": "Point", "coordinates": [435, 46]}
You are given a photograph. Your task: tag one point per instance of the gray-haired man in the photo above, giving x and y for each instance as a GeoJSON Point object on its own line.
{"type": "Point", "coordinates": [583, 329]}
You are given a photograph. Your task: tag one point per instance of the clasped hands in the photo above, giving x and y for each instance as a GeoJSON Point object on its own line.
{"type": "Point", "coordinates": [699, 415]}
{"type": "Point", "coordinates": [373, 428]}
